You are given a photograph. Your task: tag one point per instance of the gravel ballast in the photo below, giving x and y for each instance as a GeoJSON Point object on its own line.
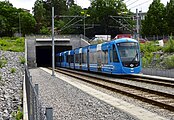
{"type": "Point", "coordinates": [70, 103]}
{"type": "Point", "coordinates": [10, 84]}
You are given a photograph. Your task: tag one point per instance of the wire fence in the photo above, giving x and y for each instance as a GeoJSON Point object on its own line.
{"type": "Point", "coordinates": [35, 110]}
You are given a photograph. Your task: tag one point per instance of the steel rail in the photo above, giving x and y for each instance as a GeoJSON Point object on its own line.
{"type": "Point", "coordinates": [161, 99]}
{"type": "Point", "coordinates": [155, 81]}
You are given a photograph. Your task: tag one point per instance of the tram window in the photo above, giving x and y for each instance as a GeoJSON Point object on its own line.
{"type": "Point", "coordinates": [115, 55]}
{"type": "Point", "coordinates": [69, 58]}
{"type": "Point", "coordinates": [92, 57]}
{"type": "Point", "coordinates": [58, 59]}
{"type": "Point", "coordinates": [84, 57]}
{"type": "Point", "coordinates": [72, 58]}
{"type": "Point", "coordinates": [95, 57]}
{"type": "Point", "coordinates": [62, 59]}
{"type": "Point", "coordinates": [66, 58]}
{"type": "Point", "coordinates": [105, 56]}
{"type": "Point", "coordinates": [111, 55]}
{"type": "Point", "coordinates": [76, 58]}
{"type": "Point", "coordinates": [80, 58]}
{"type": "Point", "coordinates": [99, 57]}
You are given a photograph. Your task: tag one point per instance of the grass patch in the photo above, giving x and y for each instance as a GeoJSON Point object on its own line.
{"type": "Point", "coordinates": [13, 70]}
{"type": "Point", "coordinates": [18, 115]}
{"type": "Point", "coordinates": [22, 60]}
{"type": "Point", "coordinates": [14, 44]}
{"type": "Point", "coordinates": [3, 61]}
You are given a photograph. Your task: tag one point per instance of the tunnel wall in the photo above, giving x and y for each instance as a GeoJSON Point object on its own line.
{"type": "Point", "coordinates": [32, 46]}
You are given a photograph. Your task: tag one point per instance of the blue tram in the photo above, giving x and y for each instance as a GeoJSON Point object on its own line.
{"type": "Point", "coordinates": [121, 56]}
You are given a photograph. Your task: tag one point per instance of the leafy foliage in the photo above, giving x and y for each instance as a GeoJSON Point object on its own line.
{"type": "Point", "coordinates": [27, 23]}
{"type": "Point", "coordinates": [99, 21]}
{"type": "Point", "coordinates": [17, 115]}
{"type": "Point", "coordinates": [155, 23]}
{"type": "Point", "coordinates": [12, 44]}
{"type": "Point", "coordinates": [13, 70]}
{"type": "Point", "coordinates": [169, 47]}
{"type": "Point", "coordinates": [100, 12]}
{"type": "Point", "coordinates": [22, 60]}
{"type": "Point", "coordinates": [39, 12]}
{"type": "Point", "coordinates": [147, 50]}
{"type": "Point", "coordinates": [45, 31]}
{"type": "Point", "coordinates": [169, 62]}
{"type": "Point", "coordinates": [169, 16]}
{"type": "Point", "coordinates": [3, 61]}
{"type": "Point", "coordinates": [11, 18]}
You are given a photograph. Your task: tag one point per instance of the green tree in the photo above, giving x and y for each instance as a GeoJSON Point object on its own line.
{"type": "Point", "coordinates": [28, 23]}
{"type": "Point", "coordinates": [8, 18]}
{"type": "Point", "coordinates": [68, 25]}
{"type": "Point", "coordinates": [39, 12]}
{"type": "Point", "coordinates": [155, 23]}
{"type": "Point", "coordinates": [170, 16]}
{"type": "Point", "coordinates": [11, 18]}
{"type": "Point", "coordinates": [74, 10]}
{"type": "Point", "coordinates": [60, 8]}
{"type": "Point", "coordinates": [100, 12]}
{"type": "Point", "coordinates": [3, 24]}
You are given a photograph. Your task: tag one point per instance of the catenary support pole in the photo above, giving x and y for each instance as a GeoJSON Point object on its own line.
{"type": "Point", "coordinates": [49, 113]}
{"type": "Point", "coordinates": [137, 26]}
{"type": "Point", "coordinates": [53, 61]}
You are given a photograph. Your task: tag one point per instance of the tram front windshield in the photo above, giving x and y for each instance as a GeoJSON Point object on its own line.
{"type": "Point", "coordinates": [129, 52]}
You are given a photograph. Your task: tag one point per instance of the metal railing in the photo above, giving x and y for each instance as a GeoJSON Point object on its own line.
{"type": "Point", "coordinates": [34, 107]}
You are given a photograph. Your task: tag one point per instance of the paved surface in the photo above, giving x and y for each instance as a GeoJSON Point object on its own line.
{"type": "Point", "coordinates": [93, 105]}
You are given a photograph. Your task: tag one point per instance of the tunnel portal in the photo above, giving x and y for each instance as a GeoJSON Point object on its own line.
{"type": "Point", "coordinates": [44, 54]}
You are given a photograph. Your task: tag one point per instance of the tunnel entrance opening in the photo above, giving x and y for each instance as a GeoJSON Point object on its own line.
{"type": "Point", "coordinates": [44, 54]}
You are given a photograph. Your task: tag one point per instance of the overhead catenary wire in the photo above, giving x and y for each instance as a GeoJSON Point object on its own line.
{"type": "Point", "coordinates": [71, 24]}
{"type": "Point", "coordinates": [127, 1]}
{"type": "Point", "coordinates": [120, 23]}
{"type": "Point", "coordinates": [140, 4]}
{"type": "Point", "coordinates": [132, 3]}
{"type": "Point", "coordinates": [68, 23]}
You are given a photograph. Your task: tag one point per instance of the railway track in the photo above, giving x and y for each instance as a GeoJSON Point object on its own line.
{"type": "Point", "coordinates": [161, 99]}
{"type": "Point", "coordinates": [155, 81]}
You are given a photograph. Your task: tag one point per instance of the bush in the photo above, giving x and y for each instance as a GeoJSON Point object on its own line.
{"type": "Point", "coordinates": [169, 47]}
{"type": "Point", "coordinates": [45, 31]}
{"type": "Point", "coordinates": [147, 49]}
{"type": "Point", "coordinates": [169, 62]}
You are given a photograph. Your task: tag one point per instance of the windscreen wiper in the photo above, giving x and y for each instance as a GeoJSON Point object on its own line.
{"type": "Point", "coordinates": [134, 58]}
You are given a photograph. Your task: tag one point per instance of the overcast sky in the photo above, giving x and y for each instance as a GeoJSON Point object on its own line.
{"type": "Point", "coordinates": [131, 4]}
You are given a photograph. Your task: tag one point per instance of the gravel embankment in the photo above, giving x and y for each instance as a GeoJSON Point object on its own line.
{"type": "Point", "coordinates": [10, 84]}
{"type": "Point", "coordinates": [59, 94]}
{"type": "Point", "coordinates": [70, 103]}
